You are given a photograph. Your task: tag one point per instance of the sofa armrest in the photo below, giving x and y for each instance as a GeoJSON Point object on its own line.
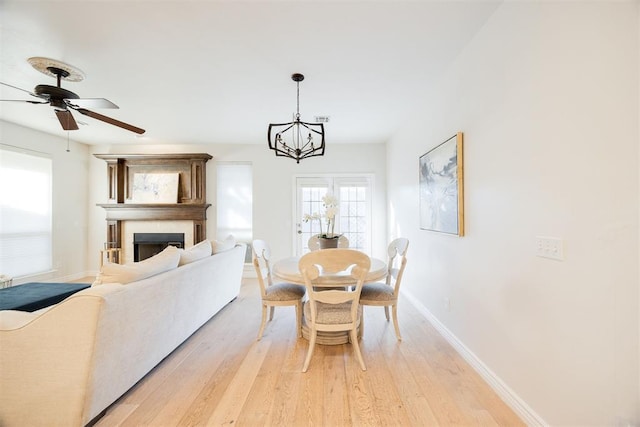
{"type": "Point", "coordinates": [45, 359]}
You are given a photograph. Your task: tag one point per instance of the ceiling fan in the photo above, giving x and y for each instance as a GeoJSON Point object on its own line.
{"type": "Point", "coordinates": [63, 100]}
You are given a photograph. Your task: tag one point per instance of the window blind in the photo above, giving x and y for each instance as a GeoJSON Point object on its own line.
{"type": "Point", "coordinates": [25, 213]}
{"type": "Point", "coordinates": [234, 201]}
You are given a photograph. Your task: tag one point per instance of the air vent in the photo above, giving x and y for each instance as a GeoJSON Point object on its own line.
{"type": "Point", "coordinates": [322, 119]}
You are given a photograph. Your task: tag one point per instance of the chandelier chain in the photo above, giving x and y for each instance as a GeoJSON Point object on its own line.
{"type": "Point", "coordinates": [298, 100]}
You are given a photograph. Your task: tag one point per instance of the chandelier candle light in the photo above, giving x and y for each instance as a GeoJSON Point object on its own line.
{"type": "Point", "coordinates": [287, 139]}
{"type": "Point", "coordinates": [330, 204]}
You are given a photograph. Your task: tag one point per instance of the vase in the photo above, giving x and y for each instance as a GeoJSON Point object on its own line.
{"type": "Point", "coordinates": [328, 242]}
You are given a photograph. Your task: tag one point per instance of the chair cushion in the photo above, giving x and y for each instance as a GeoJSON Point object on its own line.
{"type": "Point", "coordinates": [331, 314]}
{"type": "Point", "coordinates": [284, 292]}
{"type": "Point", "coordinates": [377, 292]}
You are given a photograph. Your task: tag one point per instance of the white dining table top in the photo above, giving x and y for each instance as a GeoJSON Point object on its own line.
{"type": "Point", "coordinates": [287, 269]}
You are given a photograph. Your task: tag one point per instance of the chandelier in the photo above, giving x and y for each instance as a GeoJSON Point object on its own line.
{"type": "Point", "coordinates": [296, 139]}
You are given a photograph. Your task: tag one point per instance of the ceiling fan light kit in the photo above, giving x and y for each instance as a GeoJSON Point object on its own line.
{"type": "Point", "coordinates": [287, 139]}
{"type": "Point", "coordinates": [62, 100]}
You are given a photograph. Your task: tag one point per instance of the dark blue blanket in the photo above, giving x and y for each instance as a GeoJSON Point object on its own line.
{"type": "Point", "coordinates": [35, 295]}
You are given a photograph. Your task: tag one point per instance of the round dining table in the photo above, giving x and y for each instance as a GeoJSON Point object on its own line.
{"type": "Point", "coordinates": [287, 269]}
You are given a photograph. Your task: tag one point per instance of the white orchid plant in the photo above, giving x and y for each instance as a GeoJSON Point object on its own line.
{"type": "Point", "coordinates": [330, 205]}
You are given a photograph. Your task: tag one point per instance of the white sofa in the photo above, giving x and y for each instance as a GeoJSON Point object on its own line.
{"type": "Point", "coordinates": [64, 365]}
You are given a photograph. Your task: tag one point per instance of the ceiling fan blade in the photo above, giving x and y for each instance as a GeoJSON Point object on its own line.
{"type": "Point", "coordinates": [24, 100]}
{"type": "Point", "coordinates": [90, 103]}
{"type": "Point", "coordinates": [66, 120]}
{"type": "Point", "coordinates": [23, 90]}
{"type": "Point", "coordinates": [111, 121]}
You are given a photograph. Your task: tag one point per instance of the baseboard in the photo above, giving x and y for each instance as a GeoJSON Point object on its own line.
{"type": "Point", "coordinates": [249, 272]}
{"type": "Point", "coordinates": [518, 405]}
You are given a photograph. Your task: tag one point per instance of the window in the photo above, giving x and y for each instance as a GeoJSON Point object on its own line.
{"type": "Point", "coordinates": [234, 202]}
{"type": "Point", "coordinates": [354, 214]}
{"type": "Point", "coordinates": [25, 213]}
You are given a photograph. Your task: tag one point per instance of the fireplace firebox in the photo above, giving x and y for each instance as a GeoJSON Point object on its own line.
{"type": "Point", "coordinates": [146, 245]}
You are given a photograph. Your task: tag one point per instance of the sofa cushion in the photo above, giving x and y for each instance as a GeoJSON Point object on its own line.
{"type": "Point", "coordinates": [224, 245]}
{"type": "Point", "coordinates": [166, 260]}
{"type": "Point", "coordinates": [196, 252]}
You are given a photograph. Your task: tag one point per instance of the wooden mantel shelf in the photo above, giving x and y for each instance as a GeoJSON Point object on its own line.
{"type": "Point", "coordinates": [139, 212]}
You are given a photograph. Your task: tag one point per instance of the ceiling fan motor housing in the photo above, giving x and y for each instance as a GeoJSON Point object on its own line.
{"type": "Point", "coordinates": [55, 95]}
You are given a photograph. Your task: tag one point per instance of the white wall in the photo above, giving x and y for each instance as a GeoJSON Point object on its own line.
{"type": "Point", "coordinates": [547, 96]}
{"type": "Point", "coordinates": [70, 173]}
{"type": "Point", "coordinates": [272, 186]}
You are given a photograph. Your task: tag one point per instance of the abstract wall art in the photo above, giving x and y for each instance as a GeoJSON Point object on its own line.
{"type": "Point", "coordinates": [441, 188]}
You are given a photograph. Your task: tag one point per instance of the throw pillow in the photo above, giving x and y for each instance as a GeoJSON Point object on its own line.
{"type": "Point", "coordinates": [194, 253]}
{"type": "Point", "coordinates": [116, 273]}
{"type": "Point", "coordinates": [224, 245]}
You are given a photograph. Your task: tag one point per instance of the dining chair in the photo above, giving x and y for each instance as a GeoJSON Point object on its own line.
{"type": "Point", "coordinates": [333, 309]}
{"type": "Point", "coordinates": [386, 294]}
{"type": "Point", "coordinates": [314, 242]}
{"type": "Point", "coordinates": [274, 294]}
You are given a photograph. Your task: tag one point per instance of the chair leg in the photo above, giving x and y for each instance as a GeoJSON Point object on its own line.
{"type": "Point", "coordinates": [273, 309]}
{"type": "Point", "coordinates": [299, 318]}
{"type": "Point", "coordinates": [264, 321]}
{"type": "Point", "coordinates": [386, 312]}
{"type": "Point", "coordinates": [394, 310]}
{"type": "Point", "coordinates": [312, 344]}
{"type": "Point", "coordinates": [356, 348]}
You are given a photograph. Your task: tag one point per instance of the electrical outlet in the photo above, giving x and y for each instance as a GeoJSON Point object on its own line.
{"type": "Point", "coordinates": [447, 304]}
{"type": "Point", "coordinates": [550, 247]}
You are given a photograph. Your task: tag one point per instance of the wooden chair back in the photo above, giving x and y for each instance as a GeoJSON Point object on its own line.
{"type": "Point", "coordinates": [397, 251]}
{"type": "Point", "coordinates": [353, 263]}
{"type": "Point", "coordinates": [261, 258]}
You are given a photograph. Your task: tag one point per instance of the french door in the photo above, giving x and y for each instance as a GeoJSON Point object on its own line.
{"type": "Point", "coordinates": [353, 219]}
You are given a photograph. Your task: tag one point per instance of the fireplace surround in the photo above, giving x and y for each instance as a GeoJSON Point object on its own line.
{"type": "Point", "coordinates": [191, 203]}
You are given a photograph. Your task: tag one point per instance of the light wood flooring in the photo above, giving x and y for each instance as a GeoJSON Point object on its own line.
{"type": "Point", "coordinates": [223, 376]}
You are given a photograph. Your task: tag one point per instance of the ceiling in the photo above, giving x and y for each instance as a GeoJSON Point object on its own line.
{"type": "Point", "coordinates": [201, 72]}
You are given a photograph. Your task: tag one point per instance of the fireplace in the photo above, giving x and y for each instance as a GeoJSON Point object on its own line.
{"type": "Point", "coordinates": [126, 216]}
{"type": "Point", "coordinates": [146, 245]}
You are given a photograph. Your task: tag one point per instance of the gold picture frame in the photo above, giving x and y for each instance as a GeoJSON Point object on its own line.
{"type": "Point", "coordinates": [441, 187]}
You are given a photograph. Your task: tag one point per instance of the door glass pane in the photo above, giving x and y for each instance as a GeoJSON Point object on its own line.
{"type": "Point", "coordinates": [310, 193]}
{"type": "Point", "coordinates": [354, 217]}
{"type": "Point", "coordinates": [354, 214]}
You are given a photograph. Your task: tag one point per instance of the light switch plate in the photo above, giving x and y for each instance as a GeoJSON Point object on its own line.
{"type": "Point", "coordinates": [549, 247]}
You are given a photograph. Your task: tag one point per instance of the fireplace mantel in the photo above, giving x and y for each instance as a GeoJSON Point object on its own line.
{"type": "Point", "coordinates": [191, 205]}
{"type": "Point", "coordinates": [137, 212]}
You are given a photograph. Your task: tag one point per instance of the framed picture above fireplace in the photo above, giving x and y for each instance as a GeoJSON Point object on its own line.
{"type": "Point", "coordinates": [155, 188]}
